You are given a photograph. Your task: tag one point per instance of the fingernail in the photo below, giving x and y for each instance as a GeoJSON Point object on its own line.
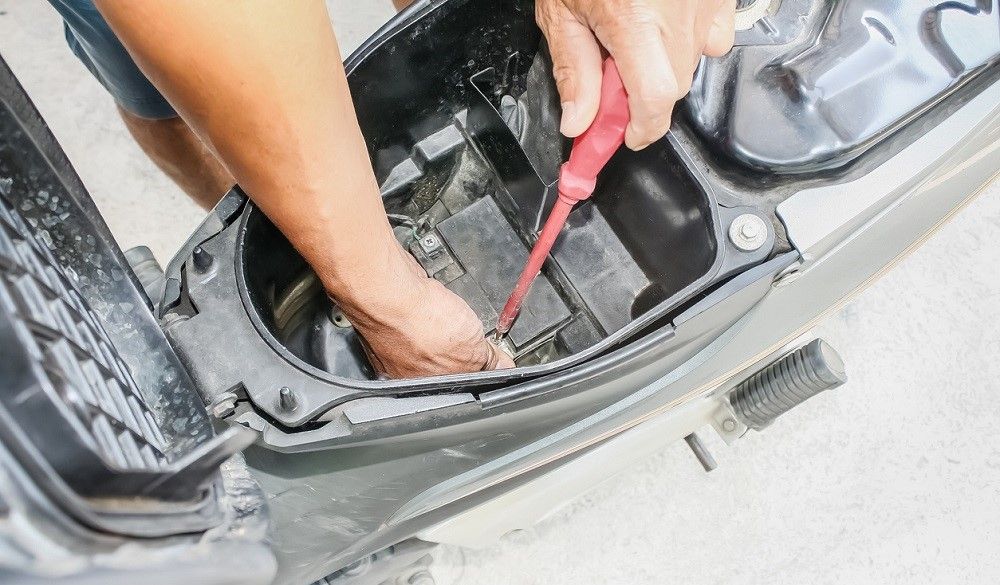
{"type": "Point", "coordinates": [568, 117]}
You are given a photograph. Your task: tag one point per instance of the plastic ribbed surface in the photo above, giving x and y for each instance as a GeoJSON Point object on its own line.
{"type": "Point", "coordinates": [787, 383]}
{"type": "Point", "coordinates": [75, 363]}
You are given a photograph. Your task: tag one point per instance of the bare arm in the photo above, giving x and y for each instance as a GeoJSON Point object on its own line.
{"type": "Point", "coordinates": [262, 83]}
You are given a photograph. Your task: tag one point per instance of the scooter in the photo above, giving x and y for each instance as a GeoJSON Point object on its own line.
{"type": "Point", "coordinates": [217, 421]}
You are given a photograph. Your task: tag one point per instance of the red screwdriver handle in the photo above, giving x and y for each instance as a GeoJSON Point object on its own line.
{"type": "Point", "coordinates": [593, 149]}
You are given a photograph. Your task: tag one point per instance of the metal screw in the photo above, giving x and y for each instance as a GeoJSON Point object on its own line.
{"type": "Point", "coordinates": [748, 232]}
{"type": "Point", "coordinates": [729, 425]}
{"type": "Point", "coordinates": [430, 243]}
{"type": "Point", "coordinates": [286, 399]}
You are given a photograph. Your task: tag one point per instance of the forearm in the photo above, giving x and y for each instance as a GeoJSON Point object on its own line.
{"type": "Point", "coordinates": [262, 84]}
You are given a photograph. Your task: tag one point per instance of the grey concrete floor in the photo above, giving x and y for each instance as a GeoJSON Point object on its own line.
{"type": "Point", "coordinates": [894, 478]}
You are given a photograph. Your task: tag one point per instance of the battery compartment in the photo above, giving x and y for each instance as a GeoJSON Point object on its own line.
{"type": "Point", "coordinates": [467, 169]}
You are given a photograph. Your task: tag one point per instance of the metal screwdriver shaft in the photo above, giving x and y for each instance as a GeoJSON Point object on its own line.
{"type": "Point", "coordinates": [591, 152]}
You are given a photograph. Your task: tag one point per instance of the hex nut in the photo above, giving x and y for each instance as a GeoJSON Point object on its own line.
{"type": "Point", "coordinates": [748, 232]}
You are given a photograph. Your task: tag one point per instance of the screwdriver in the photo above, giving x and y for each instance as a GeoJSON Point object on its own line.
{"type": "Point", "coordinates": [577, 178]}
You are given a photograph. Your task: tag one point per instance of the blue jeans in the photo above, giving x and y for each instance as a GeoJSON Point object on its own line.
{"type": "Point", "coordinates": [96, 45]}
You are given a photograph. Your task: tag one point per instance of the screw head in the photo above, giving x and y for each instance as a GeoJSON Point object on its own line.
{"type": "Point", "coordinates": [729, 425]}
{"type": "Point", "coordinates": [748, 232]}
{"type": "Point", "coordinates": [430, 243]}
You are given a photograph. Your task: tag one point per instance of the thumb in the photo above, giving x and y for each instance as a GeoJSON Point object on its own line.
{"type": "Point", "coordinates": [576, 66]}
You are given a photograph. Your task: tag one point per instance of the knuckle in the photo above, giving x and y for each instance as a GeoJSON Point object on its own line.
{"type": "Point", "coordinates": [620, 22]}
{"type": "Point", "coordinates": [565, 76]}
{"type": "Point", "coordinates": [630, 12]}
{"type": "Point", "coordinates": [654, 99]}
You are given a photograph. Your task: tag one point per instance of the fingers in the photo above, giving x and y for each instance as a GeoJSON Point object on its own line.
{"type": "Point", "coordinates": [497, 358]}
{"type": "Point", "coordinates": [576, 66]}
{"type": "Point", "coordinates": [657, 49]}
{"type": "Point", "coordinates": [652, 89]}
{"type": "Point", "coordinates": [644, 62]}
{"type": "Point", "coordinates": [722, 31]}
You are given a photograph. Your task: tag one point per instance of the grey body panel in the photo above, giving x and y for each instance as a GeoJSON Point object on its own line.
{"type": "Point", "coordinates": [385, 499]}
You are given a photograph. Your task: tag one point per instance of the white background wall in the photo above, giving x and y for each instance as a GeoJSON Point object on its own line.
{"type": "Point", "coordinates": [893, 478]}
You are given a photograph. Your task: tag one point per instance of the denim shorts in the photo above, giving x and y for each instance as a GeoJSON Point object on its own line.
{"type": "Point", "coordinates": [96, 45]}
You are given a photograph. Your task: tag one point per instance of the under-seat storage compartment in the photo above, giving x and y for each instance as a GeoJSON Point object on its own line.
{"type": "Point", "coordinates": [466, 148]}
{"type": "Point", "coordinates": [646, 236]}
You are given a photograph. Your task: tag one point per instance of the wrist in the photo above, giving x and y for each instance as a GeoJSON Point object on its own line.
{"type": "Point", "coordinates": [377, 287]}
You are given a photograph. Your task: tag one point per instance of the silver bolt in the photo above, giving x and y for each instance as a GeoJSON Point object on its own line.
{"type": "Point", "coordinates": [729, 425]}
{"type": "Point", "coordinates": [748, 232]}
{"type": "Point", "coordinates": [789, 274]}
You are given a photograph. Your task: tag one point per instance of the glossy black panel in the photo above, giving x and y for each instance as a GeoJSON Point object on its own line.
{"type": "Point", "coordinates": [852, 72]}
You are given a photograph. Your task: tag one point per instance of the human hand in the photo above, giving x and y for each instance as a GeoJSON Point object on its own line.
{"type": "Point", "coordinates": [655, 43]}
{"type": "Point", "coordinates": [424, 330]}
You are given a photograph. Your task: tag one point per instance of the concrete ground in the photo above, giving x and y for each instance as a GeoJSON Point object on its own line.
{"type": "Point", "coordinates": [894, 478]}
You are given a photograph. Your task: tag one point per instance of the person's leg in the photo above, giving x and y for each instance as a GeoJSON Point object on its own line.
{"type": "Point", "coordinates": [182, 156]}
{"type": "Point", "coordinates": [154, 124]}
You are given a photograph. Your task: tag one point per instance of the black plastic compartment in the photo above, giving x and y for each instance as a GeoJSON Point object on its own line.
{"type": "Point", "coordinates": [95, 406]}
{"type": "Point", "coordinates": [830, 81]}
{"type": "Point", "coordinates": [462, 131]}
{"type": "Point", "coordinates": [662, 216]}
